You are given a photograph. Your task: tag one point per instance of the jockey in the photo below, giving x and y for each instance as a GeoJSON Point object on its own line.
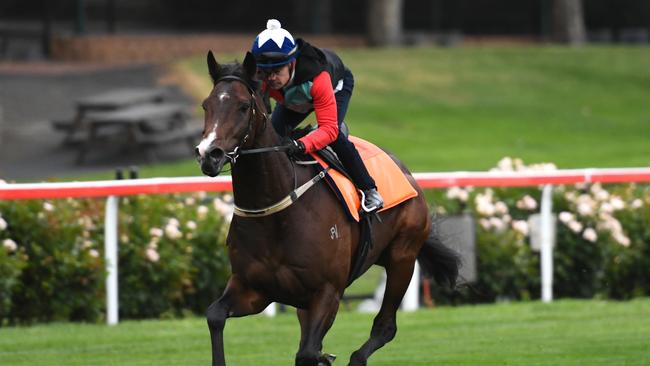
{"type": "Point", "coordinates": [302, 78]}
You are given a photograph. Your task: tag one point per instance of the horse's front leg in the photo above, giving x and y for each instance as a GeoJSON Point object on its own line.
{"type": "Point", "coordinates": [314, 324]}
{"type": "Point", "coordinates": [237, 300]}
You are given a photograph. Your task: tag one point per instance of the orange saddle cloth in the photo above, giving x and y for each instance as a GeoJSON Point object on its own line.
{"type": "Point", "coordinates": [389, 178]}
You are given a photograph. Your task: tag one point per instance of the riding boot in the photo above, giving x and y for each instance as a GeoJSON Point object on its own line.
{"type": "Point", "coordinates": [346, 151]}
{"type": "Point", "coordinates": [371, 200]}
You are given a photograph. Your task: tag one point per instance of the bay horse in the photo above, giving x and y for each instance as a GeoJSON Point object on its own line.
{"type": "Point", "coordinates": [300, 254]}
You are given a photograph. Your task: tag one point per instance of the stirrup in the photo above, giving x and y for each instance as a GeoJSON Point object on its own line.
{"type": "Point", "coordinates": [370, 209]}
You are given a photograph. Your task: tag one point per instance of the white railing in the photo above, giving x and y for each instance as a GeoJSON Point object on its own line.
{"type": "Point", "coordinates": [114, 188]}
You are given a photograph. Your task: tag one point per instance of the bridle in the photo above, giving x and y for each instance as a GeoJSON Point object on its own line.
{"type": "Point", "coordinates": [237, 151]}
{"type": "Point", "coordinates": [234, 154]}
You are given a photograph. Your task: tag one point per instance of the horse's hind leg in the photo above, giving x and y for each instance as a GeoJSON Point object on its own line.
{"type": "Point", "coordinates": [314, 324]}
{"type": "Point", "coordinates": [384, 327]}
{"type": "Point", "coordinates": [237, 300]}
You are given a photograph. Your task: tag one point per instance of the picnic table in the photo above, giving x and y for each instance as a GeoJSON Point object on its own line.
{"type": "Point", "coordinates": [140, 118]}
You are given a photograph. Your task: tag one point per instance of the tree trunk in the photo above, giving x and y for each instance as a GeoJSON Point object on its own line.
{"type": "Point", "coordinates": [568, 22]}
{"type": "Point", "coordinates": [385, 22]}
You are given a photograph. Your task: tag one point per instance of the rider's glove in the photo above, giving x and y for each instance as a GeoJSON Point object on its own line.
{"type": "Point", "coordinates": [293, 147]}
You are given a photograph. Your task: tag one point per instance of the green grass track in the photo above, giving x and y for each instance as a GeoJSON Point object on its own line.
{"type": "Point", "coordinates": [568, 332]}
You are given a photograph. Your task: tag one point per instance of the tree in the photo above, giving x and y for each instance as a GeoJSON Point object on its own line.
{"type": "Point", "coordinates": [385, 22]}
{"type": "Point", "coordinates": [568, 22]}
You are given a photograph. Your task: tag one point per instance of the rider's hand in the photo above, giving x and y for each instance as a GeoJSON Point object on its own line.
{"type": "Point", "coordinates": [293, 147]}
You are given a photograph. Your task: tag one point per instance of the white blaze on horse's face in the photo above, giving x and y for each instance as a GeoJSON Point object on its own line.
{"type": "Point", "coordinates": [206, 142]}
{"type": "Point", "coordinates": [204, 145]}
{"type": "Point", "coordinates": [223, 96]}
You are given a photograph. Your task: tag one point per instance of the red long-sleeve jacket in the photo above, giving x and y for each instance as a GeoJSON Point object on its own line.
{"type": "Point", "coordinates": [316, 95]}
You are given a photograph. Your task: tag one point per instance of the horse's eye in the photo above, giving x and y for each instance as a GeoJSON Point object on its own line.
{"type": "Point", "coordinates": [244, 108]}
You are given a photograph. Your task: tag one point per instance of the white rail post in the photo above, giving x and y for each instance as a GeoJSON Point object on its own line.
{"type": "Point", "coordinates": [270, 310]}
{"type": "Point", "coordinates": [110, 254]}
{"type": "Point", "coordinates": [546, 222]}
{"type": "Point", "coordinates": [411, 300]}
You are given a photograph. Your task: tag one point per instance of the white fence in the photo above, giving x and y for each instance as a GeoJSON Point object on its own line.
{"type": "Point", "coordinates": [114, 188]}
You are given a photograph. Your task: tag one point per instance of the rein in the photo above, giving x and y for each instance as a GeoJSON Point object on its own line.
{"type": "Point", "coordinates": [237, 151]}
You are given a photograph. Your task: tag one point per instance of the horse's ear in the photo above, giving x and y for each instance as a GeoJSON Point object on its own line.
{"type": "Point", "coordinates": [213, 67]}
{"type": "Point", "coordinates": [250, 66]}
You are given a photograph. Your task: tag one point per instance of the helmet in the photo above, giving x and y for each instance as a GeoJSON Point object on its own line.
{"type": "Point", "coordinates": [274, 46]}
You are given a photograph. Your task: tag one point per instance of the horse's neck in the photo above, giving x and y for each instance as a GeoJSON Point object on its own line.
{"type": "Point", "coordinates": [262, 179]}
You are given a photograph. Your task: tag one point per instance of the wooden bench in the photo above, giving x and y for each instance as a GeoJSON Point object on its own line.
{"type": "Point", "coordinates": [144, 126]}
{"type": "Point", "coordinates": [107, 101]}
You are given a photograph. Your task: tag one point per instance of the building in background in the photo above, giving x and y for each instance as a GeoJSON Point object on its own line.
{"type": "Point", "coordinates": [32, 28]}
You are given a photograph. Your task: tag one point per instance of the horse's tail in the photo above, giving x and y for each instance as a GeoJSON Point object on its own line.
{"type": "Point", "coordinates": [437, 260]}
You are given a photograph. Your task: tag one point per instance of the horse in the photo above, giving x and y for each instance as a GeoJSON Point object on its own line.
{"type": "Point", "coordinates": [299, 252]}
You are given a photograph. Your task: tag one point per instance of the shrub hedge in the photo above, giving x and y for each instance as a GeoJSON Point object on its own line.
{"type": "Point", "coordinates": [602, 246]}
{"type": "Point", "coordinates": [173, 258]}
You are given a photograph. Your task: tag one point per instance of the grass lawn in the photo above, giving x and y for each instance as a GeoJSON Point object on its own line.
{"type": "Point", "coordinates": [568, 332]}
{"type": "Point", "coordinates": [466, 108]}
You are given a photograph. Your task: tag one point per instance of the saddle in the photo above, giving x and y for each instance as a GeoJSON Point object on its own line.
{"type": "Point", "coordinates": [391, 182]}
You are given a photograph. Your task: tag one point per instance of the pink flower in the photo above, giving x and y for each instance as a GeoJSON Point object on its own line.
{"type": "Point", "coordinates": [617, 203]}
{"type": "Point", "coordinates": [590, 235]}
{"type": "Point", "coordinates": [10, 245]}
{"type": "Point", "coordinates": [501, 208]}
{"type": "Point", "coordinates": [575, 226]}
{"type": "Point", "coordinates": [152, 255]}
{"type": "Point", "coordinates": [457, 193]}
{"type": "Point", "coordinates": [485, 223]}
{"type": "Point", "coordinates": [172, 232]}
{"type": "Point", "coordinates": [566, 217]}
{"type": "Point", "coordinates": [497, 224]}
{"type": "Point", "coordinates": [520, 226]}
{"type": "Point", "coordinates": [191, 225]}
{"type": "Point", "coordinates": [606, 207]}
{"type": "Point", "coordinates": [202, 212]}
{"type": "Point", "coordinates": [621, 238]}
{"type": "Point", "coordinates": [505, 164]}
{"type": "Point", "coordinates": [225, 208]}
{"type": "Point", "coordinates": [484, 205]}
{"type": "Point", "coordinates": [156, 232]}
{"type": "Point", "coordinates": [585, 209]}
{"type": "Point", "coordinates": [527, 203]}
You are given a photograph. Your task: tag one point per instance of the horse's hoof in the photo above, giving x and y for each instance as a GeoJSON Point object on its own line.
{"type": "Point", "coordinates": [326, 359]}
{"type": "Point", "coordinates": [356, 360]}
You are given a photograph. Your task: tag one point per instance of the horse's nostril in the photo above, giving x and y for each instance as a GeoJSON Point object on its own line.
{"type": "Point", "coordinates": [216, 154]}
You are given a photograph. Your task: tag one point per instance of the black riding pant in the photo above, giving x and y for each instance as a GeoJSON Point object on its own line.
{"type": "Point", "coordinates": [285, 120]}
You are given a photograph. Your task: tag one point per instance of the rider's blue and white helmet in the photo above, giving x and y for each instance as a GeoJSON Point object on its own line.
{"type": "Point", "coordinates": [274, 46]}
